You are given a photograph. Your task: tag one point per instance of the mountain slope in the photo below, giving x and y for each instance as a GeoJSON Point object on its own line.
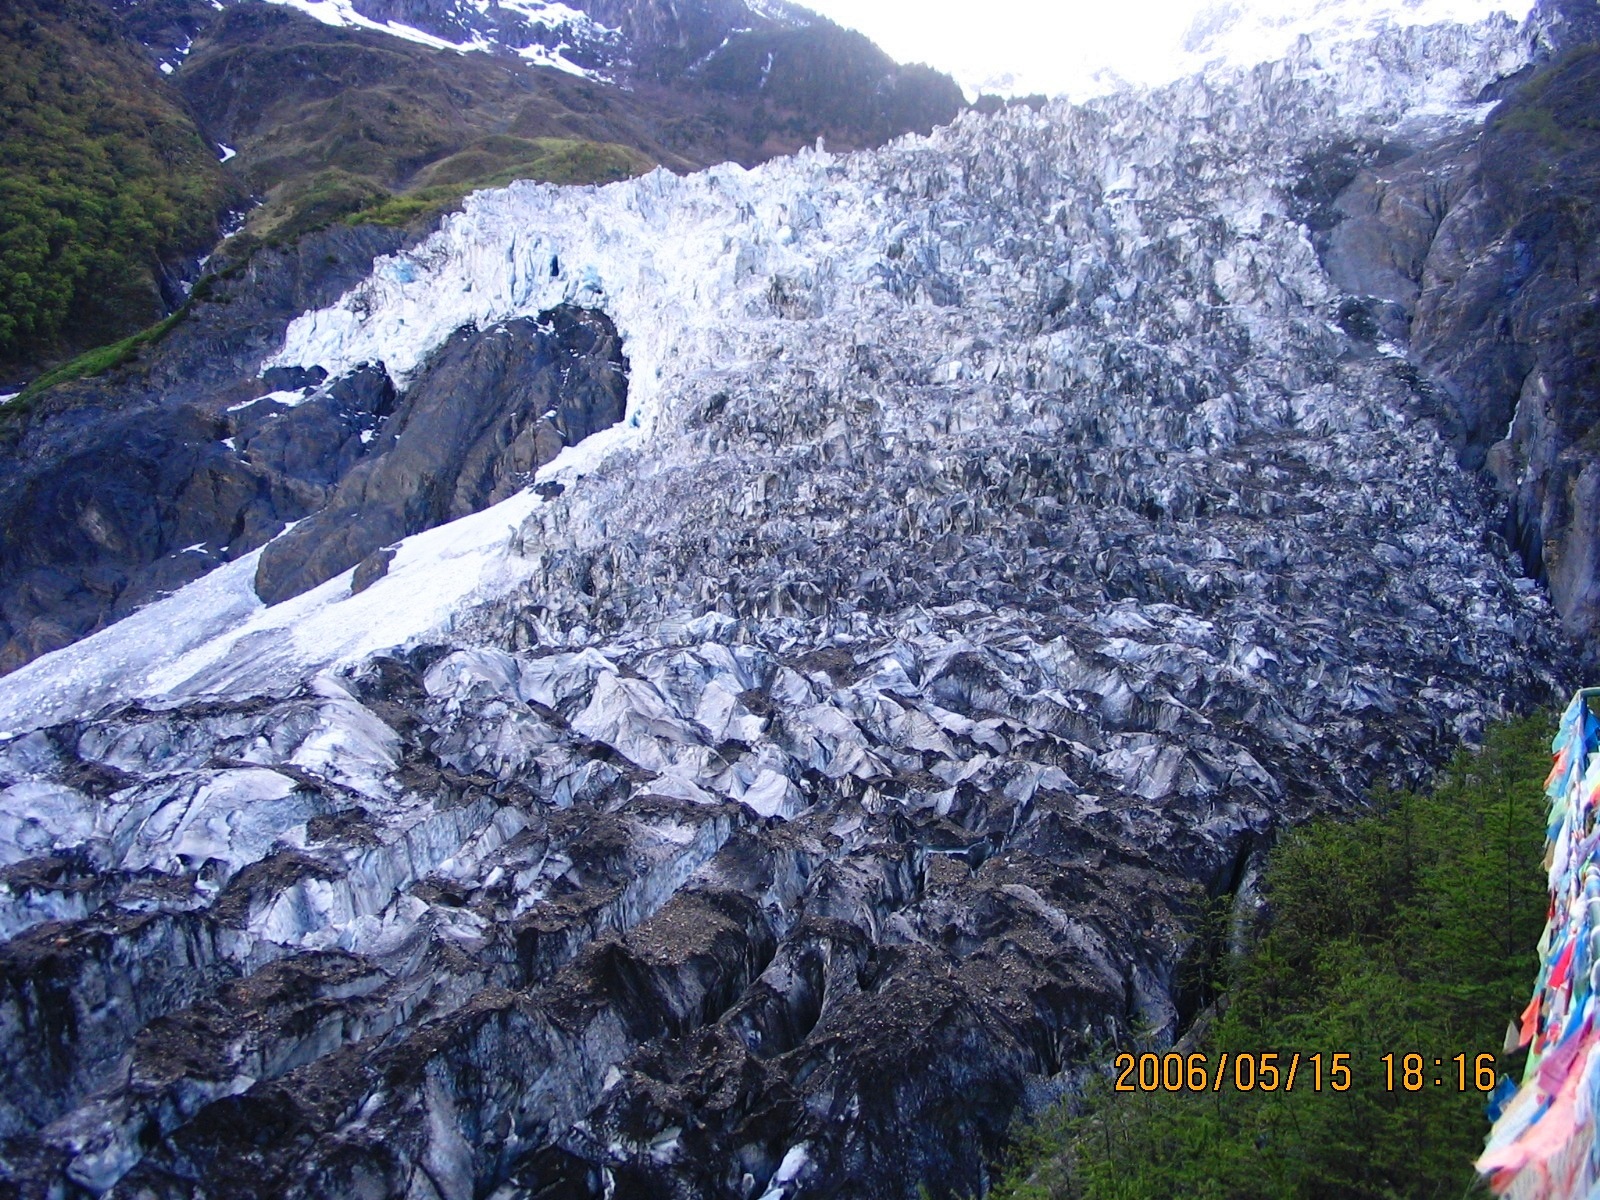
{"type": "Point", "coordinates": [364, 113]}
{"type": "Point", "coordinates": [326, 109]}
{"type": "Point", "coordinates": [105, 184]}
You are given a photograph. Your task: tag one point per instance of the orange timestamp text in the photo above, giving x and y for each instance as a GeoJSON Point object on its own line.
{"type": "Point", "coordinates": [1273, 1071]}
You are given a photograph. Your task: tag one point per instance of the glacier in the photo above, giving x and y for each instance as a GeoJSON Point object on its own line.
{"type": "Point", "coordinates": [1004, 540]}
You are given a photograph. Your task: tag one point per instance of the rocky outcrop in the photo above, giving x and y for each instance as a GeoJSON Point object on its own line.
{"type": "Point", "coordinates": [121, 489]}
{"type": "Point", "coordinates": [490, 409]}
{"type": "Point", "coordinates": [1477, 256]}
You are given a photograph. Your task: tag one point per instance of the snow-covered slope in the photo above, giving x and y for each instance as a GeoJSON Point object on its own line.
{"type": "Point", "coordinates": [543, 32]}
{"type": "Point", "coordinates": [1005, 539]}
{"type": "Point", "coordinates": [550, 33]}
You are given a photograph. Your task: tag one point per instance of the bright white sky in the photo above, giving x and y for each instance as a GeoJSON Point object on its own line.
{"type": "Point", "coordinates": [1081, 47]}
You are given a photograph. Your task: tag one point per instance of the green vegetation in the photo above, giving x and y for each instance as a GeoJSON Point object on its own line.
{"type": "Point", "coordinates": [94, 362]}
{"type": "Point", "coordinates": [498, 161]}
{"type": "Point", "coordinates": [1557, 106]}
{"type": "Point", "coordinates": [102, 176]}
{"type": "Point", "coordinates": [302, 206]}
{"type": "Point", "coordinates": [1542, 124]}
{"type": "Point", "coordinates": [1410, 930]}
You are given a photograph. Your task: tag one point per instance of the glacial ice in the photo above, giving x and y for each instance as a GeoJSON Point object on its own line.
{"type": "Point", "coordinates": [1004, 542]}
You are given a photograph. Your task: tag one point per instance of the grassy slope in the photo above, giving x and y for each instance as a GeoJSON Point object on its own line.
{"type": "Point", "coordinates": [499, 160]}
{"type": "Point", "coordinates": [1412, 930]}
{"type": "Point", "coordinates": [103, 176]}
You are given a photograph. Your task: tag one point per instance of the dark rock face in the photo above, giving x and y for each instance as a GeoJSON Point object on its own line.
{"type": "Point", "coordinates": [1482, 252]}
{"type": "Point", "coordinates": [124, 488]}
{"type": "Point", "coordinates": [489, 410]}
{"type": "Point", "coordinates": [1508, 317]}
{"type": "Point", "coordinates": [673, 36]}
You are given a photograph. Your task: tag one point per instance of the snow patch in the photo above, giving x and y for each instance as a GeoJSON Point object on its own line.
{"type": "Point", "coordinates": [794, 1162]}
{"type": "Point", "coordinates": [343, 14]}
{"type": "Point", "coordinates": [780, 13]}
{"type": "Point", "coordinates": [551, 16]}
{"type": "Point", "coordinates": [215, 636]}
{"type": "Point", "coordinates": [544, 56]}
{"type": "Point", "coordinates": [293, 398]}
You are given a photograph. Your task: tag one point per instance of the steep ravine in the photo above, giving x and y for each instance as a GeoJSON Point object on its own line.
{"type": "Point", "coordinates": [1002, 539]}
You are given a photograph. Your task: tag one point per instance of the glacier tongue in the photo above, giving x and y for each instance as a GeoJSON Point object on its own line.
{"type": "Point", "coordinates": [1004, 541]}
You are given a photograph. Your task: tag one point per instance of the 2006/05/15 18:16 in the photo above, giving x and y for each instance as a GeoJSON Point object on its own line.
{"type": "Point", "coordinates": [1272, 1071]}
